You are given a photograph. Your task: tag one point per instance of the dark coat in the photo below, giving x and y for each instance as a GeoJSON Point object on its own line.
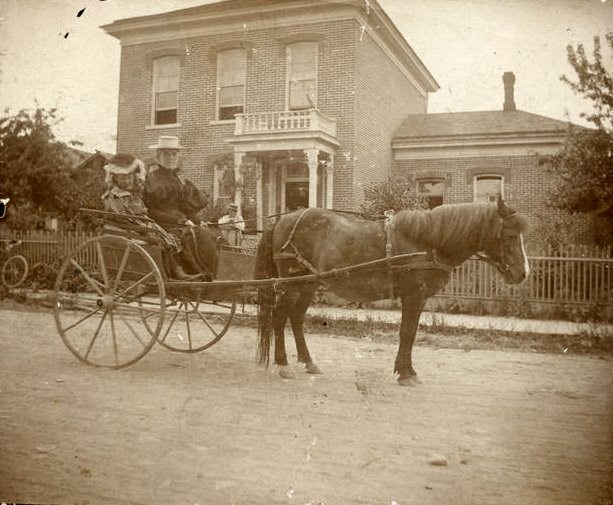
{"type": "Point", "coordinates": [171, 199]}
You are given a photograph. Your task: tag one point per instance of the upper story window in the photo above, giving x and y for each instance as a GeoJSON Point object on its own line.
{"type": "Point", "coordinates": [302, 75]}
{"type": "Point", "coordinates": [432, 190]}
{"type": "Point", "coordinates": [231, 70]}
{"type": "Point", "coordinates": [487, 187]}
{"type": "Point", "coordinates": [166, 89]}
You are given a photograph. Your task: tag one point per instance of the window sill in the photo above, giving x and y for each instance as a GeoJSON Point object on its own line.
{"type": "Point", "coordinates": [222, 121]}
{"type": "Point", "coordinates": [162, 126]}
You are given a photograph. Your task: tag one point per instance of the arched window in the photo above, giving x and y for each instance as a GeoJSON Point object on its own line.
{"type": "Point", "coordinates": [231, 71]}
{"type": "Point", "coordinates": [302, 75]}
{"type": "Point", "coordinates": [165, 105]}
{"type": "Point", "coordinates": [487, 187]}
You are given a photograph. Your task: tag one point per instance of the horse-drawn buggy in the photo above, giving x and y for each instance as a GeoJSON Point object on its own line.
{"type": "Point", "coordinates": [114, 298]}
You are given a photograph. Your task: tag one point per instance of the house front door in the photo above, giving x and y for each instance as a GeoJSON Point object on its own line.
{"type": "Point", "coordinates": [290, 187]}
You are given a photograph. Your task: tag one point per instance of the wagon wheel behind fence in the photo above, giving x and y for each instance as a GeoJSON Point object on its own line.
{"type": "Point", "coordinates": [99, 291]}
{"type": "Point", "coordinates": [14, 271]}
{"type": "Point", "coordinates": [192, 325]}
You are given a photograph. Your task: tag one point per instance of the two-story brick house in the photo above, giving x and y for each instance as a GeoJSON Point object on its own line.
{"type": "Point", "coordinates": [307, 94]}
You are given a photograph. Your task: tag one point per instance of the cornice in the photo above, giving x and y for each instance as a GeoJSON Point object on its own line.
{"type": "Point", "coordinates": [477, 146]}
{"type": "Point", "coordinates": [192, 23]}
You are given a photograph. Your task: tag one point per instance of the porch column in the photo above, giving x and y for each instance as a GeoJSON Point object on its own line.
{"type": "Point", "coordinates": [259, 191]}
{"type": "Point", "coordinates": [239, 156]}
{"type": "Point", "coordinates": [311, 155]}
{"type": "Point", "coordinates": [329, 181]}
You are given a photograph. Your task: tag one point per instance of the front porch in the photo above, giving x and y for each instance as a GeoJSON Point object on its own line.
{"type": "Point", "coordinates": [292, 156]}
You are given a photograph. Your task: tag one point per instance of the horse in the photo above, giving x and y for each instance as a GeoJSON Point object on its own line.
{"type": "Point", "coordinates": [318, 240]}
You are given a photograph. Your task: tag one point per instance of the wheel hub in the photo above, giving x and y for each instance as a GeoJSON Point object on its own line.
{"type": "Point", "coordinates": [107, 302]}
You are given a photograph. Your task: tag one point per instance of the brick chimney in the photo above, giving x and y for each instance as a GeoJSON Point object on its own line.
{"type": "Point", "coordinates": [509, 100]}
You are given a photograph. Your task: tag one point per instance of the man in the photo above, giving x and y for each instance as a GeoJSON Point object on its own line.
{"type": "Point", "coordinates": [124, 176]}
{"type": "Point", "coordinates": [232, 225]}
{"type": "Point", "coordinates": [173, 202]}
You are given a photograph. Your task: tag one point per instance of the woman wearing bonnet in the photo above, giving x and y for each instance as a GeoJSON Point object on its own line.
{"type": "Point", "coordinates": [124, 177]}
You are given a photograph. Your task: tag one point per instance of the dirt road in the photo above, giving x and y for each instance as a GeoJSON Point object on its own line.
{"type": "Point", "coordinates": [213, 428]}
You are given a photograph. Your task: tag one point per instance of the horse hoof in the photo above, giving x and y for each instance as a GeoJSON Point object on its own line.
{"type": "Point", "coordinates": [312, 368]}
{"type": "Point", "coordinates": [411, 380]}
{"type": "Point", "coordinates": [286, 373]}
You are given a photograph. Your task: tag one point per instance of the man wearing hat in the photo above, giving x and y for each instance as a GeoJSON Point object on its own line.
{"type": "Point", "coordinates": [232, 225]}
{"type": "Point", "coordinates": [173, 202]}
{"type": "Point", "coordinates": [124, 177]}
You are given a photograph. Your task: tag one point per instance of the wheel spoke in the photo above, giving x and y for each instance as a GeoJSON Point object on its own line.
{"type": "Point", "coordinates": [137, 283]}
{"type": "Point", "coordinates": [81, 320]}
{"type": "Point", "coordinates": [169, 326]}
{"type": "Point", "coordinates": [94, 283]}
{"type": "Point", "coordinates": [105, 276]}
{"type": "Point", "coordinates": [115, 350]}
{"type": "Point", "coordinates": [147, 316]}
{"type": "Point", "coordinates": [189, 332]}
{"type": "Point", "coordinates": [97, 332]}
{"type": "Point", "coordinates": [144, 344]}
{"type": "Point", "coordinates": [122, 266]}
{"type": "Point", "coordinates": [207, 323]}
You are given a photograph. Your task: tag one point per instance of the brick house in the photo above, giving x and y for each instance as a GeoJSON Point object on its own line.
{"type": "Point", "coordinates": [304, 95]}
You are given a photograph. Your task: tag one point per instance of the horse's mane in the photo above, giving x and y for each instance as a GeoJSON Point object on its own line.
{"type": "Point", "coordinates": [451, 225]}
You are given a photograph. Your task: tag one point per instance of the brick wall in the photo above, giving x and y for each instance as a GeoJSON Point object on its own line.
{"type": "Point", "coordinates": [384, 98]}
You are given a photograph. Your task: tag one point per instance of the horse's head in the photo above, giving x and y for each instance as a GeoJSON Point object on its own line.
{"type": "Point", "coordinates": [505, 248]}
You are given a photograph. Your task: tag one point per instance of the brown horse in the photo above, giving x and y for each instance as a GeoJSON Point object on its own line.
{"type": "Point", "coordinates": [318, 240]}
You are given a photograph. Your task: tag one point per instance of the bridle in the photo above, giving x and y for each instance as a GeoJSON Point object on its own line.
{"type": "Point", "coordinates": [502, 266]}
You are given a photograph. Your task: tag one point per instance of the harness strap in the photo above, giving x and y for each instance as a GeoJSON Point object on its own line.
{"type": "Point", "coordinates": [291, 234]}
{"type": "Point", "coordinates": [299, 258]}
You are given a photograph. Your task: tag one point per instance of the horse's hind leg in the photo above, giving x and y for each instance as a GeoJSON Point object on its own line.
{"type": "Point", "coordinates": [296, 316]}
{"type": "Point", "coordinates": [279, 319]}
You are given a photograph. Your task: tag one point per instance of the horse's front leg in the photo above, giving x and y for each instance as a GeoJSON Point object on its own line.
{"type": "Point", "coordinates": [296, 316]}
{"type": "Point", "coordinates": [412, 305]}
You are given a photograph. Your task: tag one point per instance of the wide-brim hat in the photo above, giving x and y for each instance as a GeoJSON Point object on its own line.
{"type": "Point", "coordinates": [124, 164]}
{"type": "Point", "coordinates": [167, 142]}
{"type": "Point", "coordinates": [232, 206]}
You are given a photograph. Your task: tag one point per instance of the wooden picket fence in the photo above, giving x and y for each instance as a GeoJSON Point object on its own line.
{"type": "Point", "coordinates": [569, 275]}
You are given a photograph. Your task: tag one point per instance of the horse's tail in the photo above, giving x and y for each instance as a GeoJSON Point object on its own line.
{"type": "Point", "coordinates": [265, 269]}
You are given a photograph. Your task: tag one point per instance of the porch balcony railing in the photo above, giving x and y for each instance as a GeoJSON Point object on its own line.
{"type": "Point", "coordinates": [284, 122]}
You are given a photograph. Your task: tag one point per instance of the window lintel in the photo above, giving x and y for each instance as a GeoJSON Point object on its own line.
{"type": "Point", "coordinates": [162, 53]}
{"type": "Point", "coordinates": [301, 37]}
{"type": "Point", "coordinates": [249, 47]}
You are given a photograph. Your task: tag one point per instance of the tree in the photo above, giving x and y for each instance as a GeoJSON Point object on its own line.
{"type": "Point", "coordinates": [584, 167]}
{"type": "Point", "coordinates": [35, 169]}
{"type": "Point", "coordinates": [392, 194]}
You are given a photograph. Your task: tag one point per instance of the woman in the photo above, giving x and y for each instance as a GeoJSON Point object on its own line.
{"type": "Point", "coordinates": [124, 176]}
{"type": "Point", "coordinates": [174, 202]}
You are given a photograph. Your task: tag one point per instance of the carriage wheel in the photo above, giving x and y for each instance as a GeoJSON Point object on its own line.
{"type": "Point", "coordinates": [99, 291]}
{"type": "Point", "coordinates": [192, 326]}
{"type": "Point", "coordinates": [14, 271]}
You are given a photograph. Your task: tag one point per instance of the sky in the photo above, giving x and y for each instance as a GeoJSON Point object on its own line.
{"type": "Point", "coordinates": [466, 44]}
